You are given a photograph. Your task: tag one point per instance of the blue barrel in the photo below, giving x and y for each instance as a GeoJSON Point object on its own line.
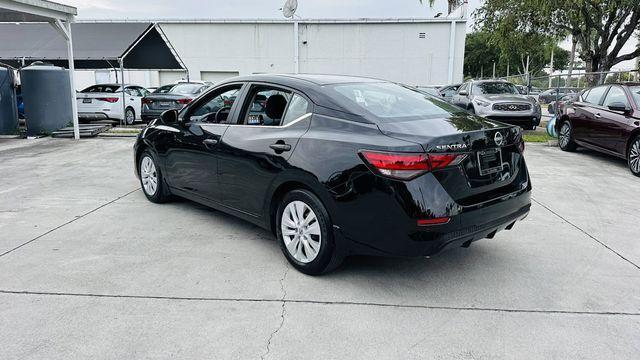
{"type": "Point", "coordinates": [46, 92]}
{"type": "Point", "coordinates": [8, 106]}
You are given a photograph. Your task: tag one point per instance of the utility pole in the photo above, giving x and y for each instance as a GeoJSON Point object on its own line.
{"type": "Point", "coordinates": [494, 70]}
{"type": "Point", "coordinates": [507, 71]}
{"type": "Point", "coordinates": [551, 72]}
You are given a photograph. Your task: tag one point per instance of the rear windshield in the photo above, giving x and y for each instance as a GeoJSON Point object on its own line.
{"type": "Point", "coordinates": [163, 89]}
{"type": "Point", "coordinates": [635, 91]}
{"type": "Point", "coordinates": [494, 88]}
{"type": "Point", "coordinates": [187, 89]}
{"type": "Point", "coordinates": [101, 89]}
{"type": "Point", "coordinates": [388, 100]}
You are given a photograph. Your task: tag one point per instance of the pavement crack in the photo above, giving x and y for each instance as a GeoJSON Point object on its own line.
{"type": "Point", "coordinates": [283, 312]}
{"type": "Point", "coordinates": [75, 218]}
{"type": "Point", "coordinates": [318, 302]}
{"type": "Point", "coordinates": [586, 233]}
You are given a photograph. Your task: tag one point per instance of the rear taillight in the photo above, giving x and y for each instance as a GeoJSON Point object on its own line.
{"type": "Point", "coordinates": [406, 166]}
{"type": "Point", "coordinates": [183, 101]}
{"type": "Point", "coordinates": [147, 101]}
{"type": "Point", "coordinates": [109, 99]}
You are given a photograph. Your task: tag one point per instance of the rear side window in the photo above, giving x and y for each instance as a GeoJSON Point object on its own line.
{"type": "Point", "coordinates": [391, 101]}
{"type": "Point", "coordinates": [595, 95]}
{"type": "Point", "coordinates": [298, 107]}
{"type": "Point", "coordinates": [101, 89]}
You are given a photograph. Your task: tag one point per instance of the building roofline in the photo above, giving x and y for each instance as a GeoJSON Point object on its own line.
{"type": "Point", "coordinates": [280, 21]}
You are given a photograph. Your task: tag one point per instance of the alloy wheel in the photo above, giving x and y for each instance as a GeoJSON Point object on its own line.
{"type": "Point", "coordinates": [149, 176]}
{"type": "Point", "coordinates": [301, 231]}
{"type": "Point", "coordinates": [565, 135]}
{"type": "Point", "coordinates": [130, 117]}
{"type": "Point", "coordinates": [634, 157]}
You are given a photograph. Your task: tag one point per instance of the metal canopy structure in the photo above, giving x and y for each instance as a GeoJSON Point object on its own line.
{"type": "Point", "coordinates": [140, 46]}
{"type": "Point", "coordinates": [59, 17]}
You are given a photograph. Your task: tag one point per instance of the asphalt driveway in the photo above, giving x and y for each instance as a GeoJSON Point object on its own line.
{"type": "Point", "coordinates": [90, 269]}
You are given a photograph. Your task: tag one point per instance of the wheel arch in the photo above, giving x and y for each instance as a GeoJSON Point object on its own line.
{"type": "Point", "coordinates": [634, 134]}
{"type": "Point", "coordinates": [284, 186]}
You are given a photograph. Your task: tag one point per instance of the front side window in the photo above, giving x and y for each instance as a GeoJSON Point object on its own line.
{"type": "Point", "coordinates": [217, 107]}
{"type": "Point", "coordinates": [266, 106]}
{"type": "Point", "coordinates": [616, 95]}
{"type": "Point", "coordinates": [635, 92]}
{"type": "Point", "coordinates": [490, 88]}
{"type": "Point", "coordinates": [392, 101]}
{"type": "Point", "coordinates": [595, 95]}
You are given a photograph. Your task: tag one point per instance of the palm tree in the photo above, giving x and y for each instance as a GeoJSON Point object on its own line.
{"type": "Point", "coordinates": [452, 4]}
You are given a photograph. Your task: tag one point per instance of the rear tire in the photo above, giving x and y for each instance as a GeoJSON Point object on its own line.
{"type": "Point", "coordinates": [471, 110]}
{"type": "Point", "coordinates": [633, 156]}
{"type": "Point", "coordinates": [305, 233]}
{"type": "Point", "coordinates": [129, 116]}
{"type": "Point", "coordinates": [565, 137]}
{"type": "Point", "coordinates": [151, 179]}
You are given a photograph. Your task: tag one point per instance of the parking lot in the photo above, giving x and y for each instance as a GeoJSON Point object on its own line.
{"type": "Point", "coordinates": [89, 268]}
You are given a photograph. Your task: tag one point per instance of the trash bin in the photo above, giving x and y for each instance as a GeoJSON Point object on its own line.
{"type": "Point", "coordinates": [8, 106]}
{"type": "Point", "coordinates": [46, 92]}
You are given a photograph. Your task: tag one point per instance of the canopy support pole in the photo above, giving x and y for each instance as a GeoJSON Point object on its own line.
{"type": "Point", "coordinates": [124, 105]}
{"type": "Point", "coordinates": [65, 30]}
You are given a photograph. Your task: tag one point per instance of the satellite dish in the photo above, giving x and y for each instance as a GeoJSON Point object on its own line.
{"type": "Point", "coordinates": [289, 8]}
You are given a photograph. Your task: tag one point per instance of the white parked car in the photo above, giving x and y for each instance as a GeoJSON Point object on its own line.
{"type": "Point", "coordinates": [104, 101]}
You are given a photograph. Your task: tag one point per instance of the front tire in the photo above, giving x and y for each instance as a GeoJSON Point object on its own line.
{"type": "Point", "coordinates": [151, 180]}
{"type": "Point", "coordinates": [633, 157]}
{"type": "Point", "coordinates": [305, 233]}
{"type": "Point", "coordinates": [565, 137]}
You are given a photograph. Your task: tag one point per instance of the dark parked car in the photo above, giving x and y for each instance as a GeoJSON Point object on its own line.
{"type": "Point", "coordinates": [557, 107]}
{"type": "Point", "coordinates": [169, 97]}
{"type": "Point", "coordinates": [607, 119]}
{"type": "Point", "coordinates": [554, 94]}
{"type": "Point", "coordinates": [336, 165]}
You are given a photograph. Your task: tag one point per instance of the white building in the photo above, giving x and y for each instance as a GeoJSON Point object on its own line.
{"type": "Point", "coordinates": [412, 51]}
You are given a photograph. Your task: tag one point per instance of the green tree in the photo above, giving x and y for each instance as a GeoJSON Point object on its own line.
{"type": "Point", "coordinates": [452, 4]}
{"type": "Point", "coordinates": [600, 27]}
{"type": "Point", "coordinates": [483, 48]}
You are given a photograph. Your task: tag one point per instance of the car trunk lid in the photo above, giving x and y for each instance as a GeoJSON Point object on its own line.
{"type": "Point", "coordinates": [493, 165]}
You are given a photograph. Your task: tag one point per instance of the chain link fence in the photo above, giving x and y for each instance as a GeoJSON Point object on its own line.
{"type": "Point", "coordinates": [552, 87]}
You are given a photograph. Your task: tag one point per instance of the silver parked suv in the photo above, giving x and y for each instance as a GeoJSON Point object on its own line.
{"type": "Point", "coordinates": [498, 100]}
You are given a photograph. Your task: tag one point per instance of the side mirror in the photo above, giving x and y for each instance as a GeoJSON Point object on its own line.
{"type": "Point", "coordinates": [169, 116]}
{"type": "Point", "coordinates": [463, 93]}
{"type": "Point", "coordinates": [619, 106]}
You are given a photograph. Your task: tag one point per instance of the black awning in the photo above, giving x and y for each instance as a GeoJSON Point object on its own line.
{"type": "Point", "coordinates": [95, 46]}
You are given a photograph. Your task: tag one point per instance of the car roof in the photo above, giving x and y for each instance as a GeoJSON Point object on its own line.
{"type": "Point", "coordinates": [317, 79]}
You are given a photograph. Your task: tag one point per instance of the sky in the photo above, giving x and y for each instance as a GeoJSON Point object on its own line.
{"type": "Point", "coordinates": [197, 9]}
{"type": "Point", "coordinates": [269, 9]}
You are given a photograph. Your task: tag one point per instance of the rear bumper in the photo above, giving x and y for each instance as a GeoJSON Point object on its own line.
{"type": "Point", "coordinates": [93, 116]}
{"type": "Point", "coordinates": [149, 115]}
{"type": "Point", "coordinates": [381, 217]}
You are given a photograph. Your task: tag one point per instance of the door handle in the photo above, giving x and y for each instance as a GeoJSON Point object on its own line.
{"type": "Point", "coordinates": [210, 143]}
{"type": "Point", "coordinates": [598, 116]}
{"type": "Point", "coordinates": [280, 147]}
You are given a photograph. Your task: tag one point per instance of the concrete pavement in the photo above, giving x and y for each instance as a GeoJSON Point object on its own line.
{"type": "Point", "coordinates": [90, 269]}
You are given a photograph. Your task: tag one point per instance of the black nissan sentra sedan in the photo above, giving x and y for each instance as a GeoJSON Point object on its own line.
{"type": "Point", "coordinates": [336, 166]}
